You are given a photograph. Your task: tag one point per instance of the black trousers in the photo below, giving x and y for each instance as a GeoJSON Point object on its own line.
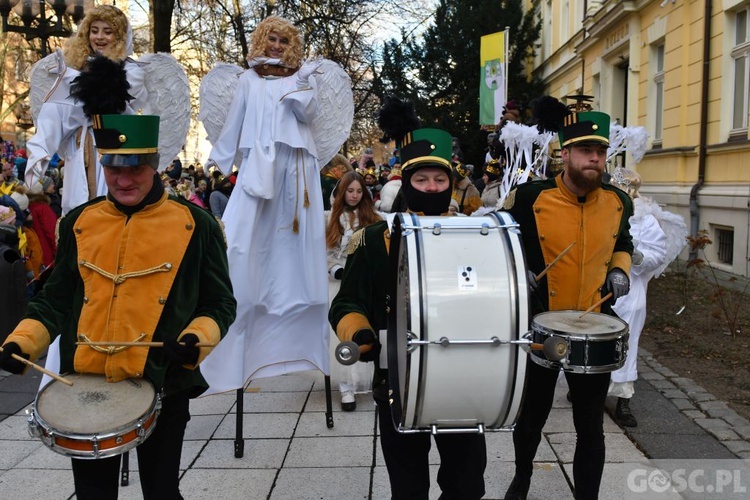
{"type": "Point", "coordinates": [158, 459]}
{"type": "Point", "coordinates": [589, 392]}
{"type": "Point", "coordinates": [463, 458]}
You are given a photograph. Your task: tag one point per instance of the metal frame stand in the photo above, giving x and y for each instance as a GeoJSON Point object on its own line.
{"type": "Point", "coordinates": [239, 442]}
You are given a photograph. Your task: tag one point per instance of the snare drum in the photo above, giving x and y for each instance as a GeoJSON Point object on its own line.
{"type": "Point", "coordinates": [596, 343]}
{"type": "Point", "coordinates": [458, 297]}
{"type": "Point", "coordinates": [94, 418]}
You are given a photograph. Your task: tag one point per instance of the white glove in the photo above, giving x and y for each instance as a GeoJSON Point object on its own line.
{"type": "Point", "coordinates": [308, 68]}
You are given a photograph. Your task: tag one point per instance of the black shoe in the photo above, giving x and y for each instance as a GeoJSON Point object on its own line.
{"type": "Point", "coordinates": [518, 489]}
{"type": "Point", "coordinates": [623, 415]}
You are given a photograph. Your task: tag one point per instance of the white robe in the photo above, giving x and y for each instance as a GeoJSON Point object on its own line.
{"type": "Point", "coordinates": [61, 127]}
{"type": "Point", "coordinates": [650, 240]}
{"type": "Point", "coordinates": [279, 276]}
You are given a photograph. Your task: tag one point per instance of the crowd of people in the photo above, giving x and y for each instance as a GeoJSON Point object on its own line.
{"type": "Point", "coordinates": [248, 265]}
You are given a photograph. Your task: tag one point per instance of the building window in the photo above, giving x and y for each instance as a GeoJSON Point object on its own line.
{"type": "Point", "coordinates": [658, 52]}
{"type": "Point", "coordinates": [725, 249]}
{"type": "Point", "coordinates": [741, 67]}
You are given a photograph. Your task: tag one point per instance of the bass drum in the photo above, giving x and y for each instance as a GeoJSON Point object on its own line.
{"type": "Point", "coordinates": [457, 298]}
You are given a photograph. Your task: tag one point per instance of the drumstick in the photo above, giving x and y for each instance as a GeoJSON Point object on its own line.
{"type": "Point", "coordinates": [139, 344]}
{"type": "Point", "coordinates": [541, 275]}
{"type": "Point", "coordinates": [601, 301]}
{"type": "Point", "coordinates": [40, 368]}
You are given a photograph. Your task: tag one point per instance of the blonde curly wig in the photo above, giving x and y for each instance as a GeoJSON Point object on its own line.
{"type": "Point", "coordinates": [292, 57]}
{"type": "Point", "coordinates": [77, 48]}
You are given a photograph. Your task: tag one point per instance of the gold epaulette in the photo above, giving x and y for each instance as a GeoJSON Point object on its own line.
{"type": "Point", "coordinates": [57, 230]}
{"type": "Point", "coordinates": [357, 240]}
{"type": "Point", "coordinates": [223, 232]}
{"type": "Point", "coordinates": [509, 200]}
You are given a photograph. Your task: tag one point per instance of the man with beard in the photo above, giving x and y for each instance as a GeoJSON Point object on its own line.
{"type": "Point", "coordinates": [358, 313]}
{"type": "Point", "coordinates": [572, 207]}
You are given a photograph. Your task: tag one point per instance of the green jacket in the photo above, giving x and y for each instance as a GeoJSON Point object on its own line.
{"type": "Point", "coordinates": [361, 300]}
{"type": "Point", "coordinates": [158, 274]}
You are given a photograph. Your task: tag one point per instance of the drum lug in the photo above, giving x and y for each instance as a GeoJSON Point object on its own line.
{"type": "Point", "coordinates": [485, 229]}
{"type": "Point", "coordinates": [34, 430]}
{"type": "Point", "coordinates": [437, 229]}
{"type": "Point", "coordinates": [411, 341]}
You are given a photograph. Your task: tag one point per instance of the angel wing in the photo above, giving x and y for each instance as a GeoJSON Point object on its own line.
{"type": "Point", "coordinates": [216, 92]}
{"type": "Point", "coordinates": [42, 78]}
{"type": "Point", "coordinates": [333, 121]}
{"type": "Point", "coordinates": [169, 97]}
{"type": "Point", "coordinates": [675, 229]}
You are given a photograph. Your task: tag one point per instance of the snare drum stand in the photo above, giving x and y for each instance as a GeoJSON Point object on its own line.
{"type": "Point", "coordinates": [239, 442]}
{"type": "Point", "coordinates": [125, 472]}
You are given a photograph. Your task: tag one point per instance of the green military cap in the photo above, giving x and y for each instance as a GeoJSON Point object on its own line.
{"type": "Point", "coordinates": [426, 147]}
{"type": "Point", "coordinates": [127, 140]}
{"type": "Point", "coordinates": [584, 126]}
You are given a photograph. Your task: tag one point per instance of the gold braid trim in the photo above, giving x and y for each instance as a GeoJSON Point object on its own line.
{"type": "Point", "coordinates": [510, 200]}
{"type": "Point", "coordinates": [357, 240]}
{"type": "Point", "coordinates": [120, 278]}
{"type": "Point", "coordinates": [57, 230]}
{"type": "Point", "coordinates": [109, 349]}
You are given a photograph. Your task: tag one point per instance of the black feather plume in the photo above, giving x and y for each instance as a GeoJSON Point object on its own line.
{"type": "Point", "coordinates": [396, 118]}
{"type": "Point", "coordinates": [548, 113]}
{"type": "Point", "coordinates": [102, 88]}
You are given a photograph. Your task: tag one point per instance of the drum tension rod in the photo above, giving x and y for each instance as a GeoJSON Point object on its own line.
{"type": "Point", "coordinates": [445, 342]}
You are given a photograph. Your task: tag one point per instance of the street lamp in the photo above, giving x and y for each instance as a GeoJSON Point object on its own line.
{"type": "Point", "coordinates": [36, 23]}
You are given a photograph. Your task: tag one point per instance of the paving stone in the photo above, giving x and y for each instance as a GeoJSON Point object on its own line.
{"type": "Point", "coordinates": [743, 431]}
{"type": "Point", "coordinates": [737, 446]}
{"type": "Point", "coordinates": [712, 405]}
{"type": "Point", "coordinates": [693, 414]}
{"type": "Point", "coordinates": [712, 423]}
{"type": "Point", "coordinates": [651, 376]}
{"type": "Point", "coordinates": [674, 394]}
{"type": "Point", "coordinates": [663, 384]}
{"type": "Point", "coordinates": [735, 419]}
{"type": "Point", "coordinates": [721, 413]}
{"type": "Point", "coordinates": [683, 381]}
{"type": "Point", "coordinates": [666, 371]}
{"type": "Point", "coordinates": [723, 434]}
{"type": "Point", "coordinates": [683, 404]}
{"type": "Point", "coordinates": [701, 397]}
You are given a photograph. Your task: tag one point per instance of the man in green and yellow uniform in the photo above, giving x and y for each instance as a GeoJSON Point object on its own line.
{"type": "Point", "coordinates": [358, 313]}
{"type": "Point", "coordinates": [134, 266]}
{"type": "Point", "coordinates": [572, 207]}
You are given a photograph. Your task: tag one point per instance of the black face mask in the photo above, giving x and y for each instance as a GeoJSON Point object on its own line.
{"type": "Point", "coordinates": [427, 203]}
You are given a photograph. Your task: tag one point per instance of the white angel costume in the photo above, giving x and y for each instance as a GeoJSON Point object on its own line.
{"type": "Point", "coordinates": [660, 236]}
{"type": "Point", "coordinates": [62, 127]}
{"type": "Point", "coordinates": [274, 225]}
{"type": "Point", "coordinates": [158, 85]}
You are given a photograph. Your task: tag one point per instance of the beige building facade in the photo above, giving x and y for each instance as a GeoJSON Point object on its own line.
{"type": "Point", "coordinates": [681, 69]}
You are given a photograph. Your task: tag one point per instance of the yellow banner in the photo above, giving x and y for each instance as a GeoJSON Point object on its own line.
{"type": "Point", "coordinates": [492, 82]}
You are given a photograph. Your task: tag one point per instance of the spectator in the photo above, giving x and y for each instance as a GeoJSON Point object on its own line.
{"type": "Point", "coordinates": [220, 197]}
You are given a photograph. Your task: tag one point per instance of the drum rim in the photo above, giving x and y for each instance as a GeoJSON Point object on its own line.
{"type": "Point", "coordinates": [48, 433]}
{"type": "Point", "coordinates": [594, 337]}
